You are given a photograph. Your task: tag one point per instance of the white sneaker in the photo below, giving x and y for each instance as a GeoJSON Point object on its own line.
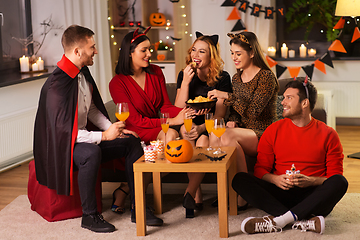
{"type": "Point", "coordinates": [315, 224]}
{"type": "Point", "coordinates": [265, 224]}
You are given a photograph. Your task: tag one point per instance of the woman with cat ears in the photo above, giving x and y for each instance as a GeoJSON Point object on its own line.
{"type": "Point", "coordinates": [252, 102]}
{"type": "Point", "coordinates": [203, 73]}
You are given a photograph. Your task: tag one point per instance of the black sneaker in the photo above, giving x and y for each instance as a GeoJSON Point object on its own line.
{"type": "Point", "coordinates": [151, 219]}
{"type": "Point", "coordinates": [96, 223]}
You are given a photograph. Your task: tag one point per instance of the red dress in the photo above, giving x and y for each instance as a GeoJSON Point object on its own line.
{"type": "Point", "coordinates": [144, 105]}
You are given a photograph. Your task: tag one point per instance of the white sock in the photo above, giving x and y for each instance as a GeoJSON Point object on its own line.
{"type": "Point", "coordinates": [285, 219]}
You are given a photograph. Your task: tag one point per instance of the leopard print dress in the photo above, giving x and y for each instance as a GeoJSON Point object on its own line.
{"type": "Point", "coordinates": [252, 104]}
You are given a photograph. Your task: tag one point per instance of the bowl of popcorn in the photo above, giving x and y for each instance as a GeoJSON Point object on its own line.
{"type": "Point", "coordinates": [201, 102]}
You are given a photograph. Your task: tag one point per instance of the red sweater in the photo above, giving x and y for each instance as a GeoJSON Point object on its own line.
{"type": "Point", "coordinates": [314, 149]}
{"type": "Point", "coordinates": [144, 105]}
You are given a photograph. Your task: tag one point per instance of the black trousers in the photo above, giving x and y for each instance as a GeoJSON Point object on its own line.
{"type": "Point", "coordinates": [304, 202]}
{"type": "Point", "coordinates": [88, 157]}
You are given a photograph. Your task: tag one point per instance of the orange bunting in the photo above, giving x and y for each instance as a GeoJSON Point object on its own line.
{"type": "Point", "coordinates": [356, 35]}
{"type": "Point", "coordinates": [234, 15]}
{"type": "Point", "coordinates": [271, 61]}
{"type": "Point", "coordinates": [320, 65]}
{"type": "Point", "coordinates": [340, 24]}
{"type": "Point", "coordinates": [294, 71]}
{"type": "Point", "coordinates": [337, 46]}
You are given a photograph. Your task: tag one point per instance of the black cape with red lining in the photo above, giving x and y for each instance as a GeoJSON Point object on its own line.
{"type": "Point", "coordinates": [56, 127]}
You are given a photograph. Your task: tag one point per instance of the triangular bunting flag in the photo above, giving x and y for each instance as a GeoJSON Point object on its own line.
{"type": "Point", "coordinates": [337, 46]}
{"type": "Point", "coordinates": [234, 15]}
{"type": "Point", "coordinates": [294, 71]}
{"type": "Point", "coordinates": [309, 70]}
{"type": "Point", "coordinates": [340, 24]}
{"type": "Point", "coordinates": [229, 3]}
{"type": "Point", "coordinates": [326, 59]}
{"type": "Point", "coordinates": [238, 26]}
{"type": "Point", "coordinates": [356, 34]}
{"type": "Point", "coordinates": [280, 69]}
{"type": "Point", "coordinates": [271, 61]}
{"type": "Point", "coordinates": [320, 65]}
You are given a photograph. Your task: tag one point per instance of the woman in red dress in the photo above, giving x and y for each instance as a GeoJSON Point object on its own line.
{"type": "Point", "coordinates": [142, 86]}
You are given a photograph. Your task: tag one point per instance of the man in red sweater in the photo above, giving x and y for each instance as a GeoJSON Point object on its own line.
{"type": "Point", "coordinates": [298, 177]}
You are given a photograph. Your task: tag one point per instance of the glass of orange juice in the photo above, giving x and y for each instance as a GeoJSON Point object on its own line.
{"type": "Point", "coordinates": [122, 112]}
{"type": "Point", "coordinates": [164, 120]}
{"type": "Point", "coordinates": [209, 124]}
{"type": "Point", "coordinates": [219, 129]}
{"type": "Point", "coordinates": [188, 122]}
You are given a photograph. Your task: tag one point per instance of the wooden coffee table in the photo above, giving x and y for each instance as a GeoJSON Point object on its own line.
{"type": "Point", "coordinates": [225, 169]}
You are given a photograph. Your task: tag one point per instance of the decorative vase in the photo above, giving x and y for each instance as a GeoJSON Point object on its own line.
{"type": "Point", "coordinates": [162, 55]}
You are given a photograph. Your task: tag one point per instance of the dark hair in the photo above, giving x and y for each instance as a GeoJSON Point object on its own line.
{"type": "Point", "coordinates": [252, 44]}
{"type": "Point", "coordinates": [249, 42]}
{"type": "Point", "coordinates": [299, 84]}
{"type": "Point", "coordinates": [75, 34]}
{"type": "Point", "coordinates": [127, 47]}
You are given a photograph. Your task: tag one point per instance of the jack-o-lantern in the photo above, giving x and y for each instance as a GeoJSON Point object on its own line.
{"type": "Point", "coordinates": [157, 19]}
{"type": "Point", "coordinates": [161, 57]}
{"type": "Point", "coordinates": [179, 151]}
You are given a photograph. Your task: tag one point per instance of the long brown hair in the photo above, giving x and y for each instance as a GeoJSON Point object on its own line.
{"type": "Point", "coordinates": [249, 42]}
{"type": "Point", "coordinates": [216, 63]}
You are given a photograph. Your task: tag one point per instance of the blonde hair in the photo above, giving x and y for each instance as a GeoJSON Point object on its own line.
{"type": "Point", "coordinates": [216, 63]}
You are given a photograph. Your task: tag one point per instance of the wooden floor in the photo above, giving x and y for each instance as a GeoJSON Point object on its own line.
{"type": "Point", "coordinates": [14, 182]}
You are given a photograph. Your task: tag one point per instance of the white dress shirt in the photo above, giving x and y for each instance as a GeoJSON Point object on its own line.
{"type": "Point", "coordinates": [88, 110]}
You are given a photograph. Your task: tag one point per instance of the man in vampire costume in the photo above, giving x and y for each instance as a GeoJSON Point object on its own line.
{"type": "Point", "coordinates": [63, 141]}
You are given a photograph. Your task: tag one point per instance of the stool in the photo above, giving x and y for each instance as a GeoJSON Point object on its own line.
{"type": "Point", "coordinates": [52, 206]}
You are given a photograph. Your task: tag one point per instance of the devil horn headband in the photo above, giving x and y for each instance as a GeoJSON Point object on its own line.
{"type": "Point", "coordinates": [214, 38]}
{"type": "Point", "coordinates": [136, 34]}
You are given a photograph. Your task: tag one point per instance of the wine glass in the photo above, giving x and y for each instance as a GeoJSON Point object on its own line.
{"type": "Point", "coordinates": [219, 129]}
{"type": "Point", "coordinates": [188, 122]}
{"type": "Point", "coordinates": [164, 120]}
{"type": "Point", "coordinates": [209, 124]}
{"type": "Point", "coordinates": [122, 113]}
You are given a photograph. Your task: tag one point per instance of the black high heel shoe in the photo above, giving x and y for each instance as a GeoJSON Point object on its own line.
{"type": "Point", "coordinates": [115, 208]}
{"type": "Point", "coordinates": [189, 204]}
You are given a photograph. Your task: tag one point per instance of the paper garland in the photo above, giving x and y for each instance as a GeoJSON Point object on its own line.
{"type": "Point", "coordinates": [256, 9]}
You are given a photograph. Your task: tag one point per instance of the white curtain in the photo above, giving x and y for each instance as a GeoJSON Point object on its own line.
{"type": "Point", "coordinates": [93, 14]}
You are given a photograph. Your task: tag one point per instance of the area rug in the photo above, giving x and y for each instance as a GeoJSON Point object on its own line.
{"type": "Point", "coordinates": [18, 221]}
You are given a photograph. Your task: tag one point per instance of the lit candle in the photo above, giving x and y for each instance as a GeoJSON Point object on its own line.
{"type": "Point", "coordinates": [168, 23]}
{"type": "Point", "coordinates": [291, 53]}
{"type": "Point", "coordinates": [271, 51]}
{"type": "Point", "coordinates": [24, 64]}
{"type": "Point", "coordinates": [35, 67]}
{"type": "Point", "coordinates": [302, 50]}
{"type": "Point", "coordinates": [284, 51]}
{"type": "Point", "coordinates": [40, 63]}
{"type": "Point", "coordinates": [312, 52]}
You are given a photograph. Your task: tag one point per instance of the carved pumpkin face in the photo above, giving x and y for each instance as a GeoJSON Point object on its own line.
{"type": "Point", "coordinates": [160, 57]}
{"type": "Point", "coordinates": [179, 151]}
{"type": "Point", "coordinates": [157, 19]}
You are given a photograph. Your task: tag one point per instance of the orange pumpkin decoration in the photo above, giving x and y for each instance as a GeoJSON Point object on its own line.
{"type": "Point", "coordinates": [160, 57]}
{"type": "Point", "coordinates": [179, 151]}
{"type": "Point", "coordinates": [157, 19]}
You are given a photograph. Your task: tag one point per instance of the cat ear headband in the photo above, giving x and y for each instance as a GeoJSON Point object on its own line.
{"type": "Point", "coordinates": [214, 38]}
{"type": "Point", "coordinates": [136, 34]}
{"type": "Point", "coordinates": [239, 36]}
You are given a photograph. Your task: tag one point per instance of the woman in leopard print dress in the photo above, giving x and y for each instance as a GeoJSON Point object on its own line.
{"type": "Point", "coordinates": [253, 101]}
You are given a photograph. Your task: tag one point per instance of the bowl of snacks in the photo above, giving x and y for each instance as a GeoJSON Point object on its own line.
{"type": "Point", "coordinates": [201, 102]}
